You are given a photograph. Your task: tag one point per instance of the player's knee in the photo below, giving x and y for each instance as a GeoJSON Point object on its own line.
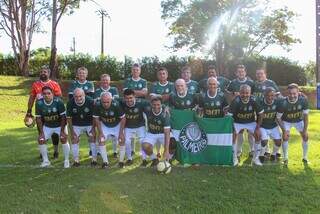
{"type": "Point", "coordinates": [147, 148]}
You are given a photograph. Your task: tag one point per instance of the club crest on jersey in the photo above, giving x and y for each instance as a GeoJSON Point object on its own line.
{"type": "Point", "coordinates": [263, 87]}
{"type": "Point", "coordinates": [192, 88]}
{"type": "Point", "coordinates": [273, 107]}
{"type": "Point", "coordinates": [86, 110]}
{"type": "Point", "coordinates": [299, 107]}
{"type": "Point", "coordinates": [140, 85]}
{"type": "Point", "coordinates": [74, 110]}
{"type": "Point", "coordinates": [111, 113]}
{"type": "Point", "coordinates": [188, 102]}
{"type": "Point", "coordinates": [85, 88]}
{"type": "Point", "coordinates": [167, 90]}
{"type": "Point", "coordinates": [192, 138]}
{"type": "Point", "coordinates": [54, 109]}
{"type": "Point", "coordinates": [218, 103]}
{"type": "Point", "coordinates": [136, 110]}
{"type": "Point", "coordinates": [159, 122]}
{"type": "Point", "coordinates": [250, 108]}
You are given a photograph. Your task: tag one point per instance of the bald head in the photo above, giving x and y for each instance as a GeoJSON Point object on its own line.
{"type": "Point", "coordinates": [79, 96]}
{"type": "Point", "coordinates": [181, 86]}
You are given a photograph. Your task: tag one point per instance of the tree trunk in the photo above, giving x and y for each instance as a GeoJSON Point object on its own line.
{"type": "Point", "coordinates": [53, 57]}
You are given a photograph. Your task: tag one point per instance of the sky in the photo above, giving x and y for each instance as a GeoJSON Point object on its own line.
{"type": "Point", "coordinates": [136, 29]}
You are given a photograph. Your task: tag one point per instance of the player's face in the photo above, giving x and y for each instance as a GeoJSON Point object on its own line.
{"type": "Point", "coordinates": [245, 95]}
{"type": "Point", "coordinates": [212, 73]}
{"type": "Point", "coordinates": [162, 76]}
{"type": "Point", "coordinates": [261, 75]}
{"type": "Point", "coordinates": [186, 75]}
{"type": "Point", "coordinates": [106, 101]}
{"type": "Point", "coordinates": [212, 85]}
{"type": "Point", "coordinates": [105, 82]}
{"type": "Point", "coordinates": [181, 87]}
{"type": "Point", "coordinates": [129, 99]}
{"type": "Point", "coordinates": [269, 97]}
{"type": "Point", "coordinates": [79, 97]}
{"type": "Point", "coordinates": [47, 95]}
{"type": "Point", "coordinates": [156, 106]}
{"type": "Point", "coordinates": [293, 94]}
{"type": "Point", "coordinates": [135, 71]}
{"type": "Point", "coordinates": [241, 73]}
{"type": "Point", "coordinates": [44, 75]}
{"type": "Point", "coordinates": [82, 75]}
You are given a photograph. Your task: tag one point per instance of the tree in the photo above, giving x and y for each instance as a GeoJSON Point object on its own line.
{"type": "Point", "coordinates": [227, 29]}
{"type": "Point", "coordinates": [20, 19]}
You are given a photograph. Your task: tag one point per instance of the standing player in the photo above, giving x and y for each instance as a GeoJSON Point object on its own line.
{"type": "Point", "coordinates": [294, 113]}
{"type": "Point", "coordinates": [36, 94]}
{"type": "Point", "coordinates": [135, 123]}
{"type": "Point", "coordinates": [110, 121]}
{"type": "Point", "coordinates": [82, 82]}
{"type": "Point", "coordinates": [244, 108]}
{"type": "Point", "coordinates": [262, 83]}
{"type": "Point", "coordinates": [79, 118]}
{"type": "Point", "coordinates": [51, 118]}
{"type": "Point", "coordinates": [162, 87]}
{"type": "Point", "coordinates": [182, 98]}
{"type": "Point", "coordinates": [222, 81]}
{"type": "Point", "coordinates": [136, 83]}
{"type": "Point", "coordinates": [193, 86]}
{"type": "Point", "coordinates": [212, 102]}
{"type": "Point", "coordinates": [269, 126]}
{"type": "Point", "coordinates": [158, 130]}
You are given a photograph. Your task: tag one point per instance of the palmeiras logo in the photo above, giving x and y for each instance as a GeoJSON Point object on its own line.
{"type": "Point", "coordinates": [192, 138]}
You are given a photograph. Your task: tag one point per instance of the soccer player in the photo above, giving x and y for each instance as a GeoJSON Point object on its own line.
{"type": "Point", "coordinates": [158, 130]}
{"type": "Point", "coordinates": [135, 122]}
{"type": "Point", "coordinates": [162, 87]}
{"type": "Point", "coordinates": [222, 81]}
{"type": "Point", "coordinates": [182, 98]}
{"type": "Point", "coordinates": [234, 88]}
{"type": "Point", "coordinates": [262, 83]}
{"type": "Point", "coordinates": [193, 86]}
{"type": "Point", "coordinates": [269, 126]}
{"type": "Point", "coordinates": [213, 103]}
{"type": "Point", "coordinates": [81, 82]}
{"type": "Point", "coordinates": [51, 118]}
{"type": "Point", "coordinates": [294, 113]}
{"type": "Point", "coordinates": [36, 94]}
{"type": "Point", "coordinates": [136, 83]}
{"type": "Point", "coordinates": [244, 109]}
{"type": "Point", "coordinates": [105, 87]}
{"type": "Point", "coordinates": [110, 121]}
{"type": "Point", "coordinates": [79, 118]}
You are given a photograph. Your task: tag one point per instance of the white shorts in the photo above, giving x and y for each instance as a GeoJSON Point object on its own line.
{"type": "Point", "coordinates": [273, 133]}
{"type": "Point", "coordinates": [154, 138]}
{"type": "Point", "coordinates": [241, 126]}
{"type": "Point", "coordinates": [47, 131]}
{"type": "Point", "coordinates": [131, 133]}
{"type": "Point", "coordinates": [299, 126]}
{"type": "Point", "coordinates": [109, 132]}
{"type": "Point", "coordinates": [78, 130]}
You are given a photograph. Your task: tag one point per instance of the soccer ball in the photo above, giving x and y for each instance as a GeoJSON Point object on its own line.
{"type": "Point", "coordinates": [29, 122]}
{"type": "Point", "coordinates": [164, 167]}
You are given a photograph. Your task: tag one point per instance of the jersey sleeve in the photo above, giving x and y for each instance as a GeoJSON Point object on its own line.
{"type": "Point", "coordinates": [96, 109]}
{"type": "Point", "coordinates": [116, 93]}
{"type": "Point", "coordinates": [57, 90]}
{"type": "Point", "coordinates": [153, 89]}
{"type": "Point", "coordinates": [38, 110]}
{"type": "Point", "coordinates": [61, 107]}
{"type": "Point", "coordinates": [258, 107]}
{"type": "Point", "coordinates": [91, 87]}
{"type": "Point", "coordinates": [225, 103]}
{"type": "Point", "coordinates": [275, 86]}
{"type": "Point", "coordinates": [233, 106]}
{"type": "Point", "coordinates": [126, 84]}
{"type": "Point", "coordinates": [121, 111]}
{"type": "Point", "coordinates": [166, 124]}
{"type": "Point", "coordinates": [96, 94]}
{"type": "Point", "coordinates": [69, 109]}
{"type": "Point", "coordinates": [33, 91]}
{"type": "Point", "coordinates": [144, 85]}
{"type": "Point", "coordinates": [230, 87]}
{"type": "Point", "coordinates": [305, 106]}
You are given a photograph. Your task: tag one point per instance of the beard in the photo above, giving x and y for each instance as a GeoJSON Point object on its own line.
{"type": "Point", "coordinates": [44, 77]}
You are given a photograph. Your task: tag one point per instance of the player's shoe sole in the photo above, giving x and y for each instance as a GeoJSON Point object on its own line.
{"type": "Point", "coordinates": [45, 164]}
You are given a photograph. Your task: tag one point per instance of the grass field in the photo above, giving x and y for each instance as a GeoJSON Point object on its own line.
{"type": "Point", "coordinates": [24, 188]}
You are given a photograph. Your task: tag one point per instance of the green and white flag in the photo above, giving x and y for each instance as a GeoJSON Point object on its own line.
{"type": "Point", "coordinates": [202, 140]}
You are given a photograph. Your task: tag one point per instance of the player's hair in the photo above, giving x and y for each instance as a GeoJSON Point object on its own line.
{"type": "Point", "coordinates": [268, 90]}
{"type": "Point", "coordinates": [244, 87]}
{"type": "Point", "coordinates": [105, 75]}
{"type": "Point", "coordinates": [82, 68]}
{"type": "Point", "coordinates": [261, 68]}
{"type": "Point", "coordinates": [163, 69]}
{"type": "Point", "coordinates": [136, 65]}
{"type": "Point", "coordinates": [79, 89]}
{"type": "Point", "coordinates": [184, 68]}
{"type": "Point", "coordinates": [212, 78]}
{"type": "Point", "coordinates": [45, 67]}
{"type": "Point", "coordinates": [46, 88]}
{"type": "Point", "coordinates": [128, 92]}
{"type": "Point", "coordinates": [211, 67]}
{"type": "Point", "coordinates": [293, 86]}
{"type": "Point", "coordinates": [180, 79]}
{"type": "Point", "coordinates": [156, 98]}
{"type": "Point", "coordinates": [241, 66]}
{"type": "Point", "coordinates": [106, 93]}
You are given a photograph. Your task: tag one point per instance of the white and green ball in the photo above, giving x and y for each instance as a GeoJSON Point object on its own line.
{"type": "Point", "coordinates": [164, 167]}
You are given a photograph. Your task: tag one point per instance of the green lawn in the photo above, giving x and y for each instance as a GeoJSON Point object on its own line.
{"type": "Point", "coordinates": [24, 188]}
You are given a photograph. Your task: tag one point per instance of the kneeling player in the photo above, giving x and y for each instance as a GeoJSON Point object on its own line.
{"type": "Point", "coordinates": [158, 130]}
{"type": "Point", "coordinates": [79, 117]}
{"type": "Point", "coordinates": [294, 113]}
{"type": "Point", "coordinates": [244, 108]}
{"type": "Point", "coordinates": [110, 120]}
{"type": "Point", "coordinates": [269, 127]}
{"type": "Point", "coordinates": [51, 118]}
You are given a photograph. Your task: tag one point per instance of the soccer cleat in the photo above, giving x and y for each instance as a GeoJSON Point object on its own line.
{"type": "Point", "coordinates": [76, 164]}
{"type": "Point", "coordinates": [129, 162]}
{"type": "Point", "coordinates": [235, 161]}
{"type": "Point", "coordinates": [132, 153]}
{"type": "Point", "coordinates": [115, 155]}
{"type": "Point", "coordinates": [305, 161]}
{"type": "Point", "coordinates": [262, 159]}
{"type": "Point", "coordinates": [154, 162]}
{"type": "Point", "coordinates": [257, 162]}
{"type": "Point", "coordinates": [55, 155]}
{"type": "Point", "coordinates": [171, 161]}
{"type": "Point", "coordinates": [45, 164]}
{"type": "Point", "coordinates": [66, 164]}
{"type": "Point", "coordinates": [278, 155]}
{"type": "Point", "coordinates": [94, 163]}
{"type": "Point", "coordinates": [251, 154]}
{"type": "Point", "coordinates": [40, 156]}
{"type": "Point", "coordinates": [90, 154]}
{"type": "Point", "coordinates": [267, 154]}
{"type": "Point", "coordinates": [272, 158]}
{"type": "Point", "coordinates": [121, 165]}
{"type": "Point", "coordinates": [104, 165]}
{"type": "Point", "coordinates": [144, 163]}
{"type": "Point", "coordinates": [285, 162]}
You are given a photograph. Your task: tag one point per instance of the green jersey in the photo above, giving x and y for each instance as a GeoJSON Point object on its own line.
{"type": "Point", "coordinates": [270, 113]}
{"type": "Point", "coordinates": [260, 87]}
{"type": "Point", "coordinates": [188, 101]}
{"type": "Point", "coordinates": [222, 84]}
{"type": "Point", "coordinates": [81, 114]}
{"type": "Point", "coordinates": [87, 87]}
{"type": "Point", "coordinates": [139, 84]}
{"type": "Point", "coordinates": [157, 122]}
{"type": "Point", "coordinates": [158, 89]}
{"type": "Point", "coordinates": [113, 90]}
{"type": "Point", "coordinates": [193, 87]}
{"type": "Point", "coordinates": [235, 85]}
{"type": "Point", "coordinates": [134, 114]}
{"type": "Point", "coordinates": [293, 112]}
{"type": "Point", "coordinates": [213, 106]}
{"type": "Point", "coordinates": [50, 113]}
{"type": "Point", "coordinates": [110, 117]}
{"type": "Point", "coordinates": [245, 112]}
